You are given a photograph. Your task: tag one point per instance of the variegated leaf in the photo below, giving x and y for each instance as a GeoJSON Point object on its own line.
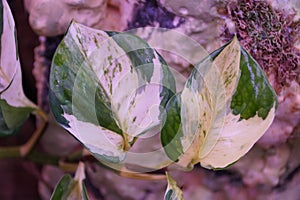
{"type": "Point", "coordinates": [173, 192]}
{"type": "Point", "coordinates": [14, 106]}
{"type": "Point", "coordinates": [108, 88]}
{"type": "Point", "coordinates": [226, 106]}
{"type": "Point", "coordinates": [71, 189]}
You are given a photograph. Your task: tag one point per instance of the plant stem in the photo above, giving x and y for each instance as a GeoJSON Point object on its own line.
{"type": "Point", "coordinates": [28, 146]}
{"type": "Point", "coordinates": [9, 152]}
{"type": "Point", "coordinates": [124, 172]}
{"type": "Point", "coordinates": [142, 176]}
{"type": "Point", "coordinates": [67, 167]}
{"type": "Point", "coordinates": [41, 158]}
{"type": "Point", "coordinates": [126, 145]}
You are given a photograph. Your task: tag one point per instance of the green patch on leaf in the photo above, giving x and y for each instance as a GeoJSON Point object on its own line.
{"type": "Point", "coordinates": [139, 52]}
{"type": "Point", "coordinates": [106, 158]}
{"type": "Point", "coordinates": [168, 196]}
{"type": "Point", "coordinates": [225, 94]}
{"type": "Point", "coordinates": [254, 94]}
{"type": "Point", "coordinates": [171, 132]}
{"type": "Point", "coordinates": [100, 83]}
{"type": "Point", "coordinates": [57, 110]}
{"type": "Point", "coordinates": [168, 84]}
{"type": "Point", "coordinates": [67, 67]}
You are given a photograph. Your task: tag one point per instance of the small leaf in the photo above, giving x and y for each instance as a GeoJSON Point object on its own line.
{"type": "Point", "coordinates": [14, 106]}
{"type": "Point", "coordinates": [71, 189]}
{"type": "Point", "coordinates": [173, 192]}
{"type": "Point", "coordinates": [226, 106]}
{"type": "Point", "coordinates": [107, 88]}
{"type": "Point", "coordinates": [61, 187]}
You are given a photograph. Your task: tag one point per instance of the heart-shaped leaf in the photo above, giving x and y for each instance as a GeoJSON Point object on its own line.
{"type": "Point", "coordinates": [108, 88]}
{"type": "Point", "coordinates": [71, 189]}
{"type": "Point", "coordinates": [14, 106]}
{"type": "Point", "coordinates": [225, 107]}
{"type": "Point", "coordinates": [173, 192]}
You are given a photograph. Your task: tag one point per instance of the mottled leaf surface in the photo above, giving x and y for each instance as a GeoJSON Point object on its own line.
{"type": "Point", "coordinates": [107, 88]}
{"type": "Point", "coordinates": [226, 106]}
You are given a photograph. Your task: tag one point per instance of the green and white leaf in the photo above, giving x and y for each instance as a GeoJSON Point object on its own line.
{"type": "Point", "coordinates": [173, 192]}
{"type": "Point", "coordinates": [71, 189]}
{"type": "Point", "coordinates": [108, 88]}
{"type": "Point", "coordinates": [14, 106]}
{"type": "Point", "coordinates": [226, 106]}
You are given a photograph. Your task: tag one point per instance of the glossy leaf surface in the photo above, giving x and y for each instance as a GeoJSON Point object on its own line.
{"type": "Point", "coordinates": [108, 88]}
{"type": "Point", "coordinates": [225, 107]}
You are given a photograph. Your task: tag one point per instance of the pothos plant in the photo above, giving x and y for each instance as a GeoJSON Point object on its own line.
{"type": "Point", "coordinates": [109, 89]}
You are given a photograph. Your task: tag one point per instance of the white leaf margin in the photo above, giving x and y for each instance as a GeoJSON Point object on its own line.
{"type": "Point", "coordinates": [227, 137]}
{"type": "Point", "coordinates": [10, 69]}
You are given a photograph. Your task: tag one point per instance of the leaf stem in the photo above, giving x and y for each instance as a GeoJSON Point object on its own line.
{"type": "Point", "coordinates": [126, 146]}
{"type": "Point", "coordinates": [142, 176]}
{"type": "Point", "coordinates": [124, 172]}
{"type": "Point", "coordinates": [67, 167]}
{"type": "Point", "coordinates": [41, 158]}
{"type": "Point", "coordinates": [9, 152]}
{"type": "Point", "coordinates": [28, 146]}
